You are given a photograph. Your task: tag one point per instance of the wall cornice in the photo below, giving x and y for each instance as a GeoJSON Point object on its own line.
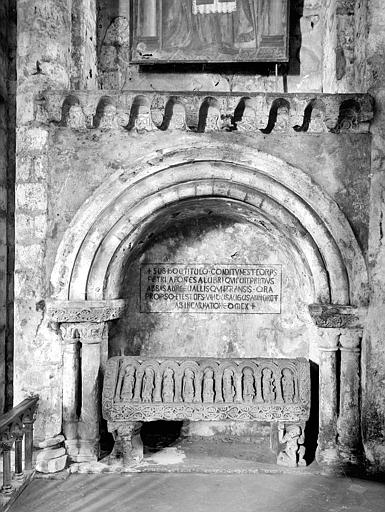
{"type": "Point", "coordinates": [144, 111]}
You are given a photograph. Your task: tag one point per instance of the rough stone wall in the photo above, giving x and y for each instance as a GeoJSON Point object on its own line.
{"type": "Point", "coordinates": [345, 29]}
{"type": "Point", "coordinates": [7, 161]}
{"type": "Point", "coordinates": [12, 43]}
{"type": "Point", "coordinates": [83, 45]}
{"type": "Point", "coordinates": [43, 62]}
{"type": "Point", "coordinates": [3, 193]}
{"type": "Point", "coordinates": [374, 355]}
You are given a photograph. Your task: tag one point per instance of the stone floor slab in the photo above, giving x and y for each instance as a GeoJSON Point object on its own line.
{"type": "Point", "coordinates": [201, 493]}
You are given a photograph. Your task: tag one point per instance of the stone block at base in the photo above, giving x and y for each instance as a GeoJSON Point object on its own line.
{"type": "Point", "coordinates": [53, 465]}
{"type": "Point", "coordinates": [48, 454]}
{"type": "Point", "coordinates": [51, 442]}
{"type": "Point", "coordinates": [82, 450]}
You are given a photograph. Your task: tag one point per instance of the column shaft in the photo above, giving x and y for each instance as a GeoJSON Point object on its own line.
{"type": "Point", "coordinates": [327, 452]}
{"type": "Point", "coordinates": [28, 445]}
{"type": "Point", "coordinates": [91, 337]}
{"type": "Point", "coordinates": [7, 473]}
{"type": "Point", "coordinates": [70, 389]}
{"type": "Point", "coordinates": [19, 458]}
{"type": "Point", "coordinates": [349, 430]}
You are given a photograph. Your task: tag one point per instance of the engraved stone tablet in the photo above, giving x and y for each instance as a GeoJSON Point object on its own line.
{"type": "Point", "coordinates": [193, 288]}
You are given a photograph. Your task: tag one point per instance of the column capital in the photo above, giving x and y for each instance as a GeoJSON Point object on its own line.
{"type": "Point", "coordinates": [85, 332]}
{"type": "Point", "coordinates": [328, 339]}
{"type": "Point", "coordinates": [69, 332]}
{"type": "Point", "coordinates": [6, 440]}
{"type": "Point", "coordinates": [337, 316]}
{"type": "Point", "coordinates": [350, 340]}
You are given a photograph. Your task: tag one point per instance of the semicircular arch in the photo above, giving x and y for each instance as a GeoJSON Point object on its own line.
{"type": "Point", "coordinates": [118, 208]}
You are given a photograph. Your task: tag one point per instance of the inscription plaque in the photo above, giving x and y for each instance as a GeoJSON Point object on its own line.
{"type": "Point", "coordinates": [203, 288]}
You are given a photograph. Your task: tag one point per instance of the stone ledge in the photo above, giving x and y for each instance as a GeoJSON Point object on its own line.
{"type": "Point", "coordinates": [85, 311]}
{"type": "Point", "coordinates": [144, 111]}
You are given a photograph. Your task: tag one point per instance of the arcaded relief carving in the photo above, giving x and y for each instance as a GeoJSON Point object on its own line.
{"type": "Point", "coordinates": [141, 389]}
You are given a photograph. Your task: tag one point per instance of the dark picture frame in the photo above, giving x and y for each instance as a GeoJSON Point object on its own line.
{"type": "Point", "coordinates": [209, 31]}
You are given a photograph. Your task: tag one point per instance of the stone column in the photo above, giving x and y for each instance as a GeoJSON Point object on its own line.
{"type": "Point", "coordinates": [91, 337]}
{"type": "Point", "coordinates": [6, 446]}
{"type": "Point", "coordinates": [71, 374]}
{"type": "Point", "coordinates": [28, 443]}
{"type": "Point", "coordinates": [18, 435]}
{"type": "Point", "coordinates": [81, 393]}
{"type": "Point", "coordinates": [349, 428]}
{"type": "Point", "coordinates": [327, 451]}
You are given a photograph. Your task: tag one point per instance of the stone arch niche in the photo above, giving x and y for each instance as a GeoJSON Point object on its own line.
{"type": "Point", "coordinates": [214, 231]}
{"type": "Point", "coordinates": [234, 182]}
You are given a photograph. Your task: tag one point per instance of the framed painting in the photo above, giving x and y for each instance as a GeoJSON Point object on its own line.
{"type": "Point", "coordinates": [209, 31]}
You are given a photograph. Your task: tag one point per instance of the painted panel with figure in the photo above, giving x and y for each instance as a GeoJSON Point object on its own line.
{"type": "Point", "coordinates": [210, 31]}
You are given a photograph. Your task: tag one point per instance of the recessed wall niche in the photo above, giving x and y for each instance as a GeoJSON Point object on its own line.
{"type": "Point", "coordinates": [220, 236]}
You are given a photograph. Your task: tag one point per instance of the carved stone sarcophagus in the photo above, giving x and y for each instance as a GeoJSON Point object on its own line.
{"type": "Point", "coordinates": [142, 389]}
{"type": "Point", "coordinates": [139, 389]}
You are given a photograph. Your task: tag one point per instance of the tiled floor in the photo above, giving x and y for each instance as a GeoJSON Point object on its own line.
{"type": "Point", "coordinates": [201, 493]}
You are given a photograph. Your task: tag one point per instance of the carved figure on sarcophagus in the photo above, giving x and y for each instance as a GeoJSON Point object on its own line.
{"type": "Point", "coordinates": [287, 385]}
{"type": "Point", "coordinates": [188, 390]}
{"type": "Point", "coordinates": [228, 385]}
{"type": "Point", "coordinates": [293, 453]}
{"type": "Point", "coordinates": [126, 383]}
{"type": "Point", "coordinates": [268, 385]}
{"type": "Point", "coordinates": [148, 385]}
{"type": "Point", "coordinates": [208, 385]}
{"type": "Point", "coordinates": [248, 385]}
{"type": "Point", "coordinates": [168, 387]}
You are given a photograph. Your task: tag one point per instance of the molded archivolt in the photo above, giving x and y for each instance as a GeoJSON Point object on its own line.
{"type": "Point", "coordinates": [106, 228]}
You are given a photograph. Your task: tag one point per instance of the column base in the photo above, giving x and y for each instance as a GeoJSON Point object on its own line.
{"type": "Point", "coordinates": [351, 457]}
{"type": "Point", "coordinates": [81, 450]}
{"type": "Point", "coordinates": [328, 456]}
{"type": "Point", "coordinates": [6, 491]}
